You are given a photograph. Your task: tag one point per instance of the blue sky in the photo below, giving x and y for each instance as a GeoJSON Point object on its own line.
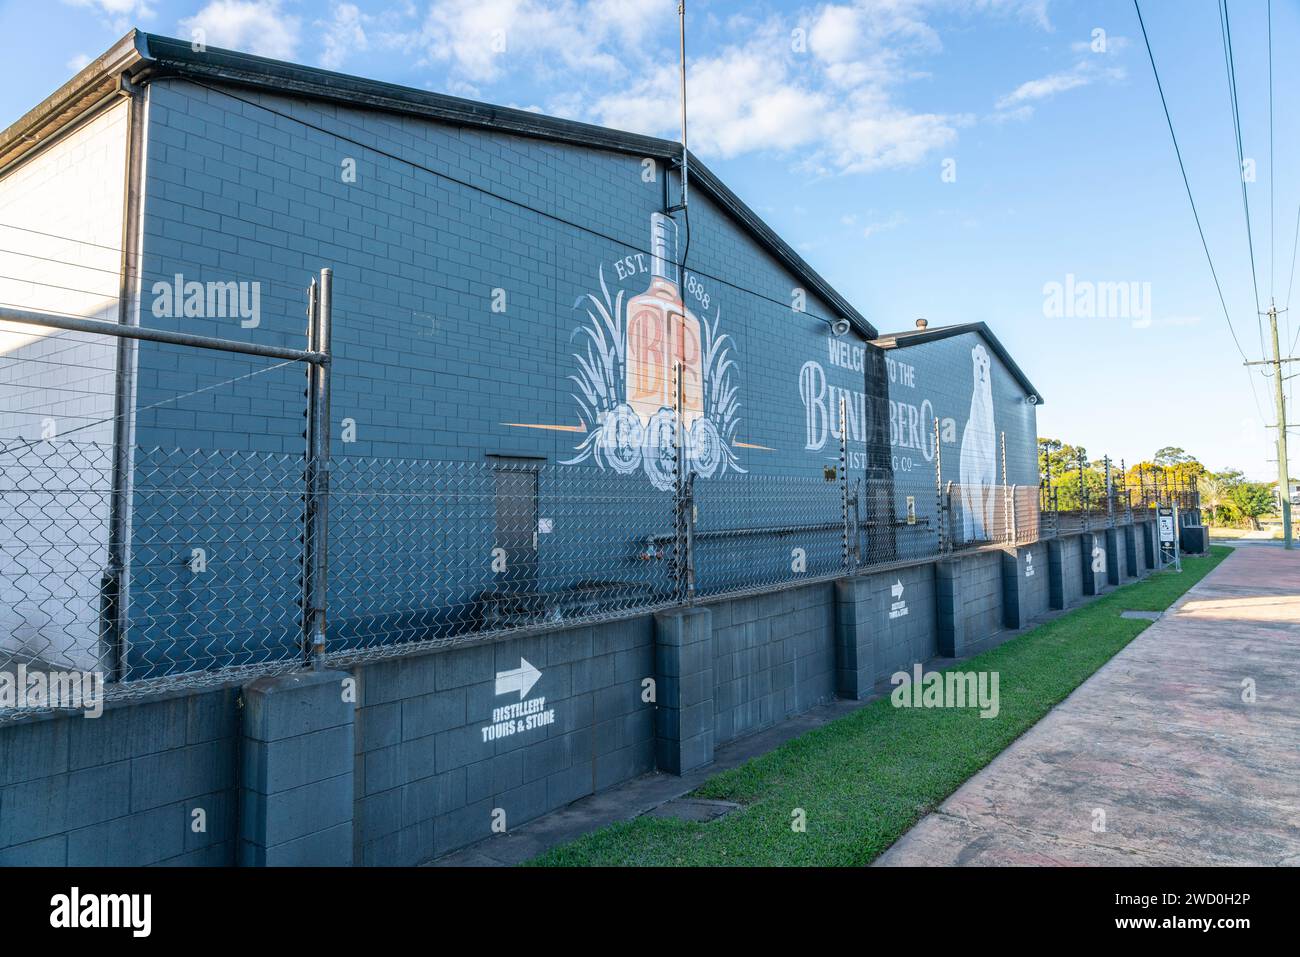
{"type": "Point", "coordinates": [951, 159]}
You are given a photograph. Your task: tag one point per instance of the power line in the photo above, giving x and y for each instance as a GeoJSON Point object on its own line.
{"type": "Point", "coordinates": [71, 239]}
{"type": "Point", "coordinates": [1225, 34]}
{"type": "Point", "coordinates": [6, 450]}
{"type": "Point", "coordinates": [1272, 192]}
{"type": "Point", "coordinates": [144, 274]}
{"type": "Point", "coordinates": [1195, 215]}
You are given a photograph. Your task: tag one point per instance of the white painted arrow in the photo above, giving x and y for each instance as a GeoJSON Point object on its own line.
{"type": "Point", "coordinates": [519, 679]}
{"type": "Point", "coordinates": [896, 589]}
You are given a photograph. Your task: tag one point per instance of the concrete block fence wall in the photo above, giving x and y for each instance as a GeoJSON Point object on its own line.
{"type": "Point", "coordinates": [400, 760]}
{"type": "Point", "coordinates": [147, 782]}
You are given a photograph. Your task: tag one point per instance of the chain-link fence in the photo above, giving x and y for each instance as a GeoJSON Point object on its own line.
{"type": "Point", "coordinates": [433, 553]}
{"type": "Point", "coordinates": [1102, 495]}
{"type": "Point", "coordinates": [148, 566]}
{"type": "Point", "coordinates": [421, 553]}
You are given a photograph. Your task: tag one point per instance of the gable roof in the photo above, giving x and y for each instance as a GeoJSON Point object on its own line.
{"type": "Point", "coordinates": [916, 337]}
{"type": "Point", "coordinates": [143, 56]}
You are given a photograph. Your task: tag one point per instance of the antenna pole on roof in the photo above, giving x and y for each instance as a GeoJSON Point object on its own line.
{"type": "Point", "coordinates": [681, 23]}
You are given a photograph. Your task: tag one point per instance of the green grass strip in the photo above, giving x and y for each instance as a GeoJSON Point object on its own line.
{"type": "Point", "coordinates": [865, 779]}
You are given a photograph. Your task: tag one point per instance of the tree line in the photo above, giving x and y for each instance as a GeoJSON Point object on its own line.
{"type": "Point", "coordinates": [1227, 496]}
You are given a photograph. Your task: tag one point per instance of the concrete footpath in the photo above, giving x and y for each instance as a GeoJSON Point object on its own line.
{"type": "Point", "coordinates": [1156, 759]}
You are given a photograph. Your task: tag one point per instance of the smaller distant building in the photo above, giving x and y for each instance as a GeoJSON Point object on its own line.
{"type": "Point", "coordinates": [1294, 486]}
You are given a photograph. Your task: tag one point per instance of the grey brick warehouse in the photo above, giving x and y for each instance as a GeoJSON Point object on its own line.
{"type": "Point", "coordinates": [531, 347]}
{"type": "Point", "coordinates": [505, 285]}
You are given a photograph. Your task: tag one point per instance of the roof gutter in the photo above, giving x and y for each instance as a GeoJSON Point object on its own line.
{"type": "Point", "coordinates": [97, 84]}
{"type": "Point", "coordinates": [902, 340]}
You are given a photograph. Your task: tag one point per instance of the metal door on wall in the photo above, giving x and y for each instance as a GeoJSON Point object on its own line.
{"type": "Point", "coordinates": [515, 493]}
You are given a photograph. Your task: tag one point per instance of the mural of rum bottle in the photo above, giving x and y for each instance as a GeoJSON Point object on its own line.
{"type": "Point", "coordinates": [660, 332]}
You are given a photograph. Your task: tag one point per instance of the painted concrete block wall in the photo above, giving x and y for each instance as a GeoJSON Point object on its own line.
{"type": "Point", "coordinates": [1030, 583]}
{"type": "Point", "coordinates": [981, 593]}
{"type": "Point", "coordinates": [773, 656]}
{"type": "Point", "coordinates": [1071, 561]}
{"type": "Point", "coordinates": [855, 651]}
{"type": "Point", "coordinates": [60, 241]}
{"type": "Point", "coordinates": [1093, 563]}
{"type": "Point", "coordinates": [1145, 545]}
{"type": "Point", "coordinates": [684, 679]}
{"type": "Point", "coordinates": [151, 782]}
{"type": "Point", "coordinates": [1111, 543]}
{"type": "Point", "coordinates": [442, 745]}
{"type": "Point", "coordinates": [1146, 533]}
{"type": "Point", "coordinates": [296, 770]}
{"type": "Point", "coordinates": [1128, 548]}
{"type": "Point", "coordinates": [1034, 587]}
{"type": "Point", "coordinates": [433, 762]}
{"type": "Point", "coordinates": [905, 626]}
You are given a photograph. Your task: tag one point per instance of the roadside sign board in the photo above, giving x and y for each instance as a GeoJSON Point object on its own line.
{"type": "Point", "coordinates": [1167, 532]}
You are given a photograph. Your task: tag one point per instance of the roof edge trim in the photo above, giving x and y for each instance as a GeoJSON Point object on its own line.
{"type": "Point", "coordinates": [916, 337]}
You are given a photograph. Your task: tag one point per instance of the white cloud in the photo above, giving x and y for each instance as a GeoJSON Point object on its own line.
{"type": "Point", "coordinates": [342, 35]}
{"type": "Point", "coordinates": [832, 106]}
{"type": "Point", "coordinates": [1018, 104]}
{"type": "Point", "coordinates": [78, 63]}
{"type": "Point", "coordinates": [260, 27]}
{"type": "Point", "coordinates": [829, 114]}
{"type": "Point", "coordinates": [1042, 88]}
{"type": "Point", "coordinates": [120, 15]}
{"type": "Point", "coordinates": [484, 39]}
{"type": "Point", "coordinates": [1089, 67]}
{"type": "Point", "coordinates": [1014, 115]}
{"type": "Point", "coordinates": [894, 221]}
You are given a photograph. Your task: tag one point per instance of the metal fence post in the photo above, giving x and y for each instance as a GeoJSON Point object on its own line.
{"type": "Point", "coordinates": [1053, 504]}
{"type": "Point", "coordinates": [683, 494]}
{"type": "Point", "coordinates": [1085, 506]}
{"type": "Point", "coordinates": [1123, 484]}
{"type": "Point", "coordinates": [689, 569]}
{"type": "Point", "coordinates": [317, 473]}
{"type": "Point", "coordinates": [949, 525]}
{"type": "Point", "coordinates": [857, 523]}
{"type": "Point", "coordinates": [1110, 494]}
{"type": "Point", "coordinates": [1006, 505]}
{"type": "Point", "coordinates": [844, 488]}
{"type": "Point", "coordinates": [938, 486]}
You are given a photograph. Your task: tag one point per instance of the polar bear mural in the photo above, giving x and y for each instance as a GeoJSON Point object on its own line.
{"type": "Point", "coordinates": [978, 453]}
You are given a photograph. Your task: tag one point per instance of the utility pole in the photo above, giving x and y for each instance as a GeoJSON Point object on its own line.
{"type": "Point", "coordinates": [1283, 477]}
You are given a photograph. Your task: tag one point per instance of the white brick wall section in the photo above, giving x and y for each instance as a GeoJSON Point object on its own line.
{"type": "Point", "coordinates": [60, 237]}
